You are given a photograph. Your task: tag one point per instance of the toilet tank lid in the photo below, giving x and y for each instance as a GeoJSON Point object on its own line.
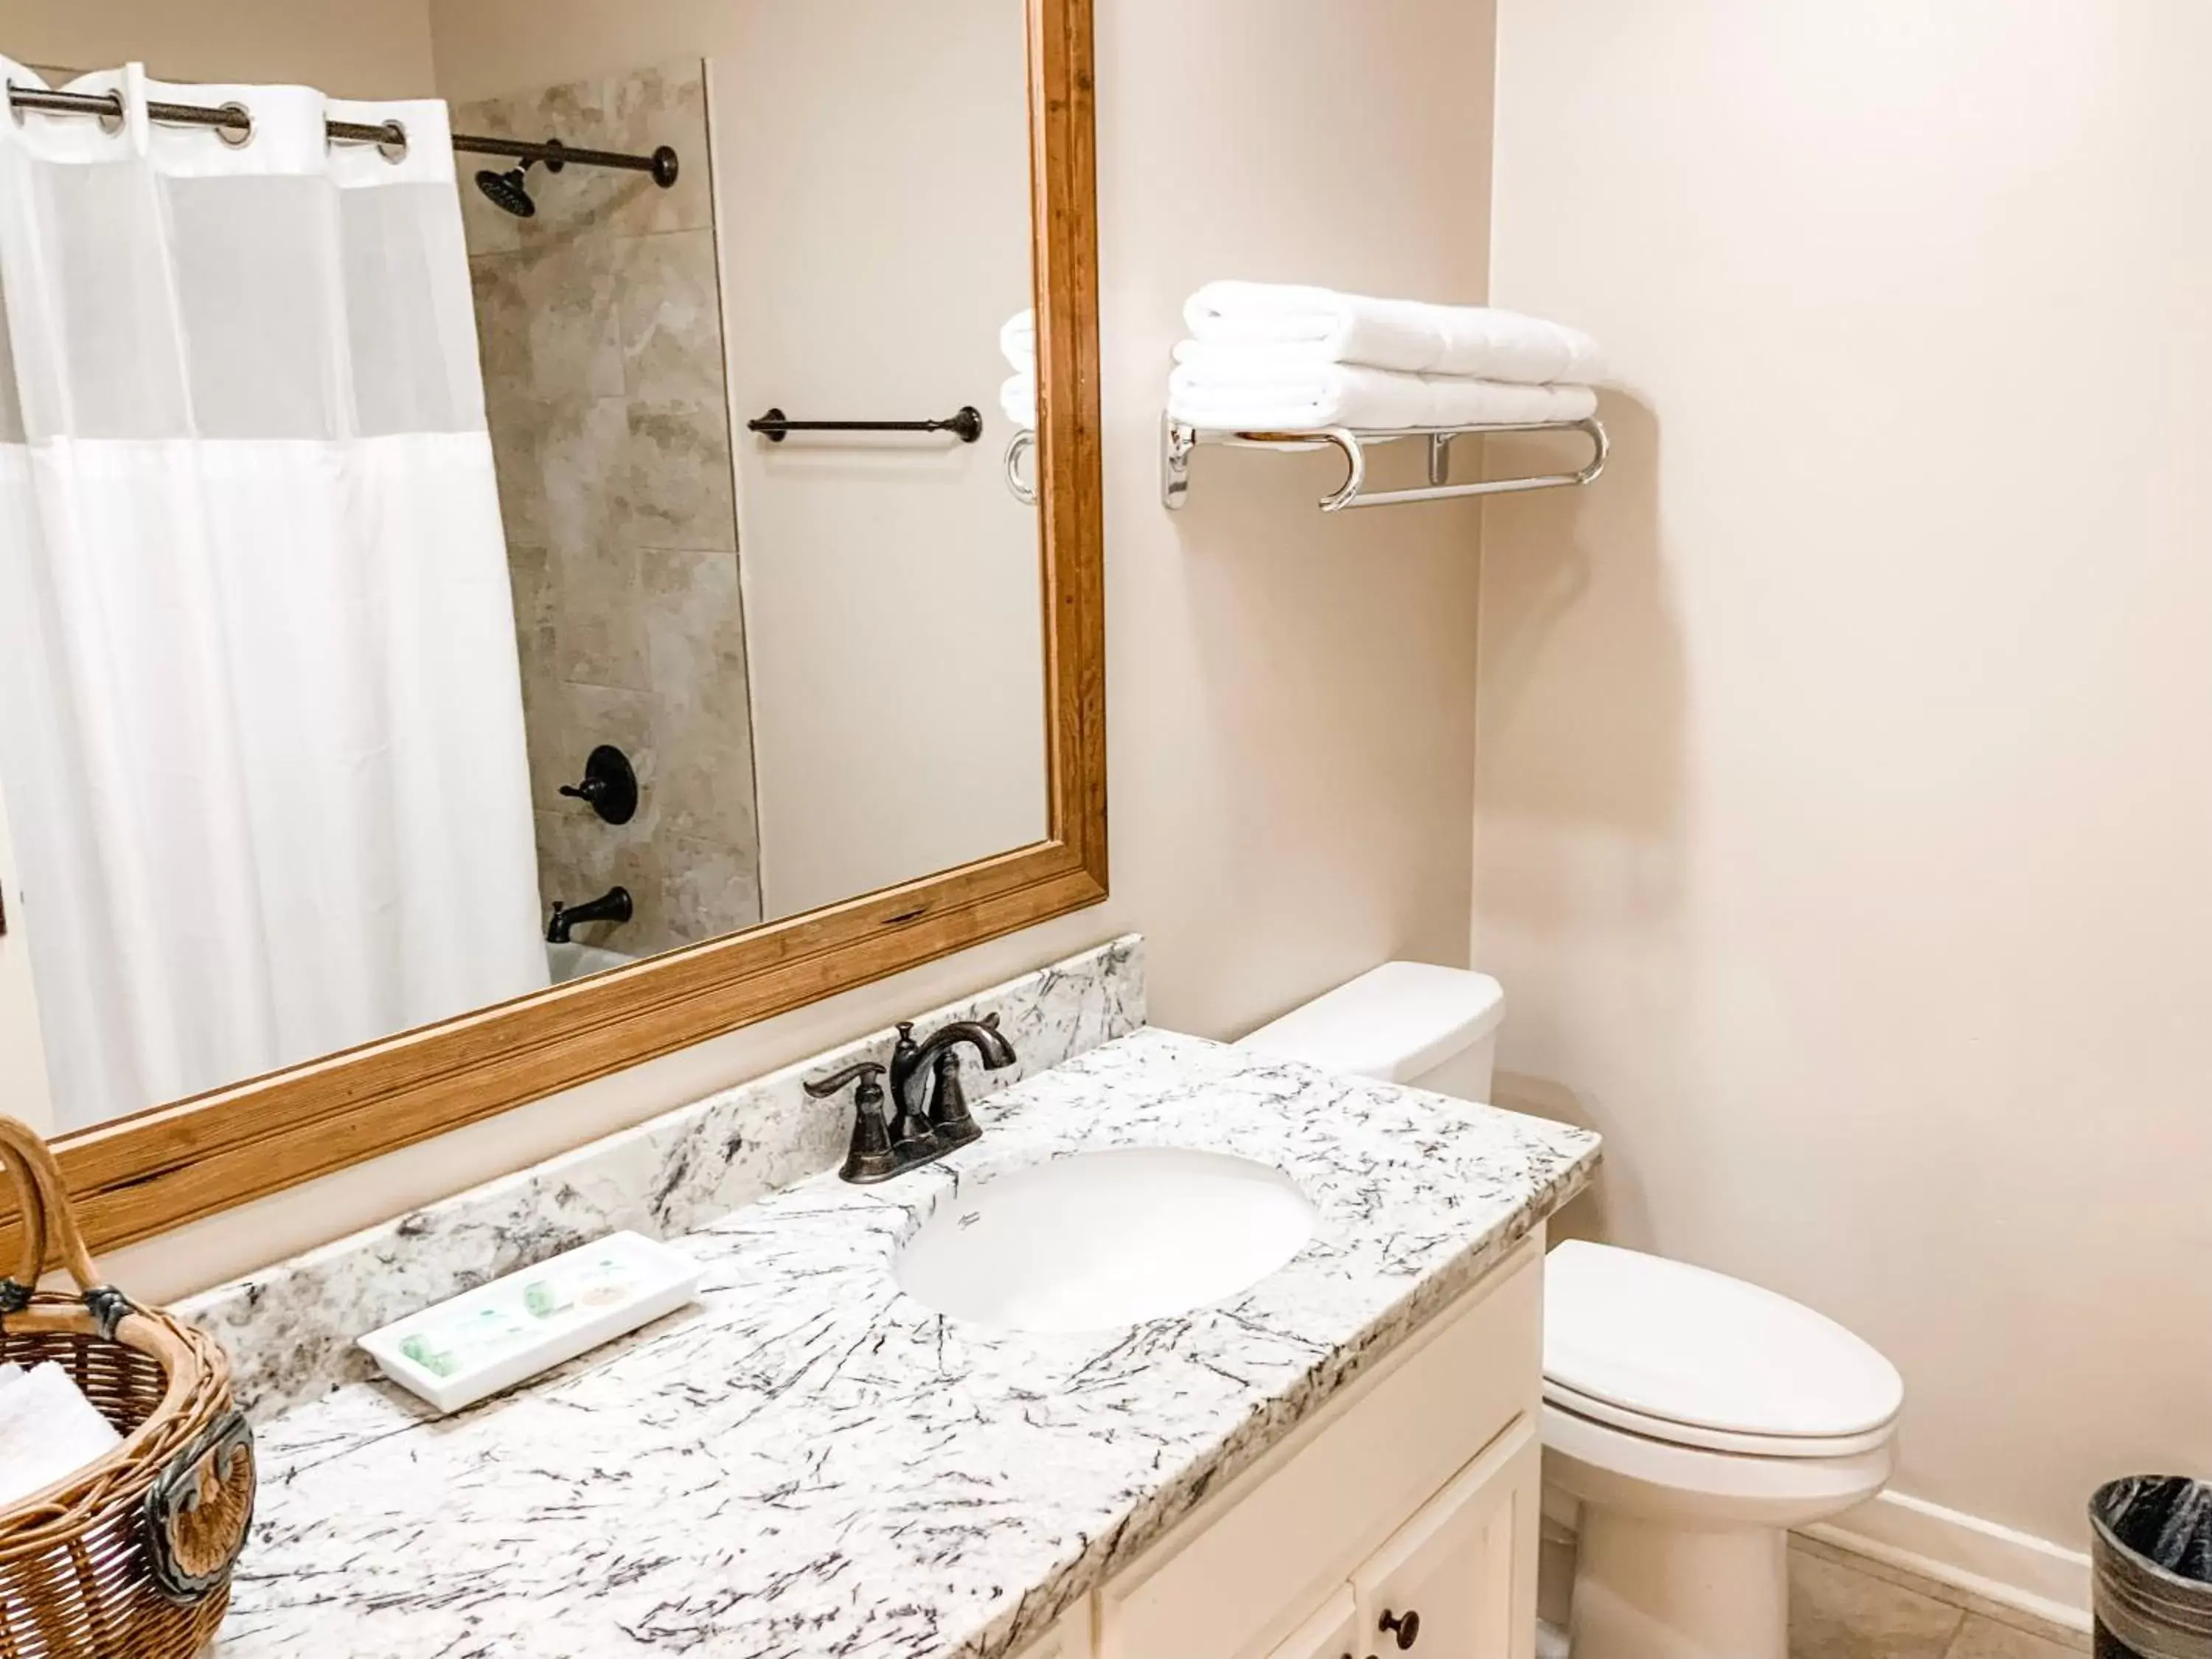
{"type": "Point", "coordinates": [1394, 1021]}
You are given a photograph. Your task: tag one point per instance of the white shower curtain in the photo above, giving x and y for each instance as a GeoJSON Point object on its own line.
{"type": "Point", "coordinates": [260, 712]}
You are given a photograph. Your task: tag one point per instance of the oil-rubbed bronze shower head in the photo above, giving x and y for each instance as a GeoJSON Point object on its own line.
{"type": "Point", "coordinates": [508, 191]}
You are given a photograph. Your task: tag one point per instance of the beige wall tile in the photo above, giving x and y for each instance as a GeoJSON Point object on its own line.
{"type": "Point", "coordinates": [604, 385]}
{"type": "Point", "coordinates": [680, 489]}
{"type": "Point", "coordinates": [488, 230]}
{"type": "Point", "coordinates": [694, 633]}
{"type": "Point", "coordinates": [502, 325]}
{"type": "Point", "coordinates": [518, 430]}
{"type": "Point", "coordinates": [598, 640]}
{"type": "Point", "coordinates": [576, 203]}
{"type": "Point", "coordinates": [534, 640]}
{"type": "Point", "coordinates": [582, 457]}
{"type": "Point", "coordinates": [568, 290]}
{"type": "Point", "coordinates": [583, 859]}
{"type": "Point", "coordinates": [593, 714]}
{"type": "Point", "coordinates": [711, 888]}
{"type": "Point", "coordinates": [667, 105]}
{"type": "Point", "coordinates": [672, 321]}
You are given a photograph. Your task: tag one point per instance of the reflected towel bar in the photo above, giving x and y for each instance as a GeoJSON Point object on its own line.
{"type": "Point", "coordinates": [1019, 444]}
{"type": "Point", "coordinates": [967, 425]}
{"type": "Point", "coordinates": [1178, 439]}
{"type": "Point", "coordinates": [233, 125]}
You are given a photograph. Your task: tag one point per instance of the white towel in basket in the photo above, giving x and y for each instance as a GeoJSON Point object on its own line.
{"type": "Point", "coordinates": [48, 1430]}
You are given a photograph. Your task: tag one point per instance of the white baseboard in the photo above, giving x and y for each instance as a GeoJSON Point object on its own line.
{"type": "Point", "coordinates": [1979, 1557]}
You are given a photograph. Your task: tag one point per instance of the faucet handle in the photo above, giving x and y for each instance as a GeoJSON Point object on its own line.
{"type": "Point", "coordinates": [948, 1108]}
{"type": "Point", "coordinates": [869, 1158]}
{"type": "Point", "coordinates": [866, 1071]}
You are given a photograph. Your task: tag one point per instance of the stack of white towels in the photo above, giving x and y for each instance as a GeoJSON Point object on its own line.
{"type": "Point", "coordinates": [1018, 394]}
{"type": "Point", "coordinates": [1267, 356]}
{"type": "Point", "coordinates": [48, 1430]}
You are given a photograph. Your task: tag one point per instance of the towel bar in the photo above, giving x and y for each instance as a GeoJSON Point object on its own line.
{"type": "Point", "coordinates": [1178, 440]}
{"type": "Point", "coordinates": [1019, 444]}
{"type": "Point", "coordinates": [967, 425]}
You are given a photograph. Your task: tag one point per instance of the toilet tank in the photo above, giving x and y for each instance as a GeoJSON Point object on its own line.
{"type": "Point", "coordinates": [1406, 1022]}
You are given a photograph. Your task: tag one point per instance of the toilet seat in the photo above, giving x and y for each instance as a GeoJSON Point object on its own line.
{"type": "Point", "coordinates": [1681, 1355]}
{"type": "Point", "coordinates": [1697, 1437]}
{"type": "Point", "coordinates": [1594, 1462]}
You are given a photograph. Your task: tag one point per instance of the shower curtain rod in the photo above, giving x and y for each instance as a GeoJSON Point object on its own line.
{"type": "Point", "coordinates": [233, 125]}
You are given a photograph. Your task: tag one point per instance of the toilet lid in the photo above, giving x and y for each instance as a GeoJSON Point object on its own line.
{"type": "Point", "coordinates": [1675, 1343]}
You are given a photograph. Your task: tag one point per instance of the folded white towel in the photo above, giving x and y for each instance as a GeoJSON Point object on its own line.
{"type": "Point", "coordinates": [1018, 400]}
{"type": "Point", "coordinates": [1017, 342]}
{"type": "Point", "coordinates": [1295, 398]}
{"type": "Point", "coordinates": [48, 1430]}
{"type": "Point", "coordinates": [1478, 341]}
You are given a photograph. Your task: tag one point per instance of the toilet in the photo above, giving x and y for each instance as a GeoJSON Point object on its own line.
{"type": "Point", "coordinates": [1690, 1419]}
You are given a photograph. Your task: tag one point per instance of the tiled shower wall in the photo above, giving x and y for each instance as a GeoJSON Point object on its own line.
{"type": "Point", "coordinates": [600, 324]}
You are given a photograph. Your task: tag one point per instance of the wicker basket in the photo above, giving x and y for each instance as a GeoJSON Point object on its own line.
{"type": "Point", "coordinates": [129, 1558]}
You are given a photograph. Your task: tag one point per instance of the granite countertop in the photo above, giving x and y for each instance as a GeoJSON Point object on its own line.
{"type": "Point", "coordinates": [812, 1462]}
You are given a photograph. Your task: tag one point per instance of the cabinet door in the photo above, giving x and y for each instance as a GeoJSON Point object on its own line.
{"type": "Point", "coordinates": [1458, 1580]}
{"type": "Point", "coordinates": [1068, 1639]}
{"type": "Point", "coordinates": [1332, 1633]}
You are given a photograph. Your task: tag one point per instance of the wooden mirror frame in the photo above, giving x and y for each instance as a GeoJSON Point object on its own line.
{"type": "Point", "coordinates": [158, 1169]}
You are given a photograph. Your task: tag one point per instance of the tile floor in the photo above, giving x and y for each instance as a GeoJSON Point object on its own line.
{"type": "Point", "coordinates": [1845, 1607]}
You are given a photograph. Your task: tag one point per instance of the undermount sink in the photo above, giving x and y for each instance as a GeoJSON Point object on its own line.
{"type": "Point", "coordinates": [1106, 1238]}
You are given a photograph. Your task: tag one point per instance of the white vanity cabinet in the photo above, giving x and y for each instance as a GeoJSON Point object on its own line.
{"type": "Point", "coordinates": [1451, 1582]}
{"type": "Point", "coordinates": [1329, 1634]}
{"type": "Point", "coordinates": [1412, 1498]}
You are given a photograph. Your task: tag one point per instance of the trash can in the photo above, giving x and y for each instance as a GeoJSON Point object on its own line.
{"type": "Point", "coordinates": [2152, 1558]}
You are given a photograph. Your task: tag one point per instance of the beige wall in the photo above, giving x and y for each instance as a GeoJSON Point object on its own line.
{"type": "Point", "coordinates": [874, 157]}
{"type": "Point", "coordinates": [871, 166]}
{"type": "Point", "coordinates": [1289, 697]}
{"type": "Point", "coordinates": [1842, 796]}
{"type": "Point", "coordinates": [356, 48]}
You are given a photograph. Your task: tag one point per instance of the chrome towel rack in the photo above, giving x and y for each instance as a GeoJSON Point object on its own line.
{"type": "Point", "coordinates": [1019, 444]}
{"type": "Point", "coordinates": [1178, 440]}
{"type": "Point", "coordinates": [967, 425]}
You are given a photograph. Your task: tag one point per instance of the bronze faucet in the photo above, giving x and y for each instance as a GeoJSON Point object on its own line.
{"type": "Point", "coordinates": [929, 1114]}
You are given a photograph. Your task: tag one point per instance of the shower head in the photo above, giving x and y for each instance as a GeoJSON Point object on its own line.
{"type": "Point", "coordinates": [508, 190]}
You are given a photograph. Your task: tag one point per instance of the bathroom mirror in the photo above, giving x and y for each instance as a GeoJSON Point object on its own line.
{"type": "Point", "coordinates": [525, 552]}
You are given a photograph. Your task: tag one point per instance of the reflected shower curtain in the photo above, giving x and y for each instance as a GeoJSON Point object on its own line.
{"type": "Point", "coordinates": [260, 713]}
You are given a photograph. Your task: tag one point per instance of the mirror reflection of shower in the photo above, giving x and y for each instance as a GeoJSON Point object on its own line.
{"type": "Point", "coordinates": [509, 192]}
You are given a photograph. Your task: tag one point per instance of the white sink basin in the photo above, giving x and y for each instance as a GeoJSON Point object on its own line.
{"type": "Point", "coordinates": [1106, 1238]}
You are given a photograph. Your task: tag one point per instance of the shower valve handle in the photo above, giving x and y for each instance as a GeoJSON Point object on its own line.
{"type": "Point", "coordinates": [610, 785]}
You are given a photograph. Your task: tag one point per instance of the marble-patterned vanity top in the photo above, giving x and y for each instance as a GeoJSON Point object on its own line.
{"type": "Point", "coordinates": [812, 1462]}
{"type": "Point", "coordinates": [289, 1329]}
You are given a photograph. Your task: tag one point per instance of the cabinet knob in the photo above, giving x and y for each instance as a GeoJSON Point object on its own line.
{"type": "Point", "coordinates": [1408, 1628]}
